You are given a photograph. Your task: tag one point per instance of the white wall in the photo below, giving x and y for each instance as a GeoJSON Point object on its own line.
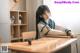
{"type": "Point", "coordinates": [67, 15]}
{"type": "Point", "coordinates": [4, 11]}
{"type": "Point", "coordinates": [4, 20]}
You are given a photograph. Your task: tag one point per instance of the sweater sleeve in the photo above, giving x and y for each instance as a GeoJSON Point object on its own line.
{"type": "Point", "coordinates": [43, 30]}
{"type": "Point", "coordinates": [46, 30]}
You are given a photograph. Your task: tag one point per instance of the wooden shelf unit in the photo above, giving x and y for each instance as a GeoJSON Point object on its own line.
{"type": "Point", "coordinates": [16, 27]}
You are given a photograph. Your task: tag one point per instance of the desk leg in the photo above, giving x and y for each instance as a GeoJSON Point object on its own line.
{"type": "Point", "coordinates": [65, 50]}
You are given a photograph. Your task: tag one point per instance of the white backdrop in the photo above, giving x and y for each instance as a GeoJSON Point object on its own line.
{"type": "Point", "coordinates": [67, 15]}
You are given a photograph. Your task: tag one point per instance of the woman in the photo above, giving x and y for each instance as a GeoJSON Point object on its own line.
{"type": "Point", "coordinates": [47, 27]}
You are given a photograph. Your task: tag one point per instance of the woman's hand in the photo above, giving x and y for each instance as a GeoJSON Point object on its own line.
{"type": "Point", "coordinates": [72, 35]}
{"type": "Point", "coordinates": [69, 33]}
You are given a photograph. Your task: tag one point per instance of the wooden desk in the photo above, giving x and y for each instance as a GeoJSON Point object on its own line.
{"type": "Point", "coordinates": [43, 45]}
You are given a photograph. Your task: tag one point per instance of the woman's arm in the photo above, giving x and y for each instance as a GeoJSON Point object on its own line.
{"type": "Point", "coordinates": [57, 27]}
{"type": "Point", "coordinates": [68, 32]}
{"type": "Point", "coordinates": [50, 32]}
{"type": "Point", "coordinates": [56, 33]}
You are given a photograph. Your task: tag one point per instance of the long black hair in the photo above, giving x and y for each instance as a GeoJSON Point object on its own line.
{"type": "Point", "coordinates": [40, 11]}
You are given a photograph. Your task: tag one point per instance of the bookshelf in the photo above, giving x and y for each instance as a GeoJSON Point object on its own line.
{"type": "Point", "coordinates": [19, 24]}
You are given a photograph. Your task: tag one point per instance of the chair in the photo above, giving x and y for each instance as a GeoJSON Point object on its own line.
{"type": "Point", "coordinates": [28, 35]}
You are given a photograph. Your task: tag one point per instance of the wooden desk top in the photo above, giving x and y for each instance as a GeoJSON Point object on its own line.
{"type": "Point", "coordinates": [42, 45]}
